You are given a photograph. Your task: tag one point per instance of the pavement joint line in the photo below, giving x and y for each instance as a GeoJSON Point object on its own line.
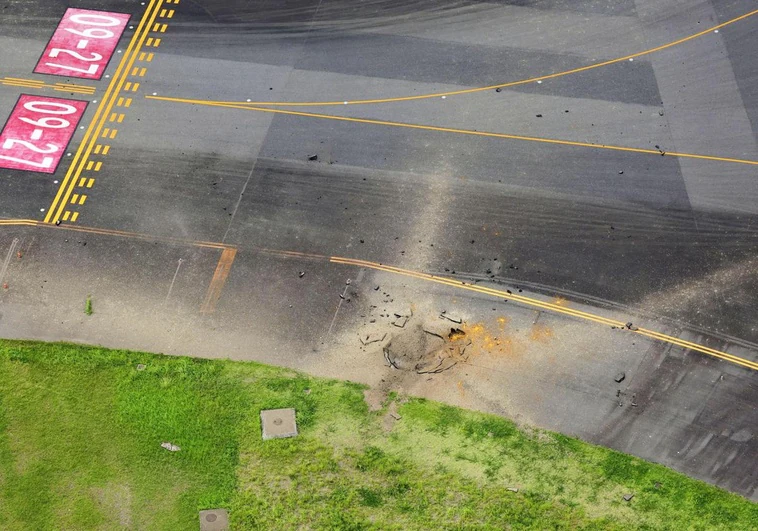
{"type": "Point", "coordinates": [220, 275]}
{"type": "Point", "coordinates": [405, 272]}
{"type": "Point", "coordinates": [112, 92]}
{"type": "Point", "coordinates": [460, 131]}
{"type": "Point", "coordinates": [537, 79]}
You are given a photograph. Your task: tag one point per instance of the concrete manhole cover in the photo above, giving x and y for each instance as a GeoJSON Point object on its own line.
{"type": "Point", "coordinates": [278, 423]}
{"type": "Point", "coordinates": [214, 520]}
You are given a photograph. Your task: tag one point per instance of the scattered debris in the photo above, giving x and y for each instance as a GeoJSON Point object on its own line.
{"type": "Point", "coordinates": [376, 288]}
{"type": "Point", "coordinates": [628, 497]}
{"type": "Point", "coordinates": [170, 447]}
{"type": "Point", "coordinates": [657, 485]}
{"type": "Point", "coordinates": [660, 113]}
{"type": "Point", "coordinates": [301, 274]}
{"type": "Point", "coordinates": [456, 334]}
{"type": "Point", "coordinates": [313, 157]}
{"type": "Point", "coordinates": [395, 416]}
{"type": "Point", "coordinates": [307, 391]}
{"type": "Point", "coordinates": [538, 115]}
{"type": "Point", "coordinates": [498, 89]}
{"type": "Point", "coordinates": [620, 377]}
{"type": "Point", "coordinates": [621, 172]}
{"type": "Point", "coordinates": [512, 489]}
{"type": "Point", "coordinates": [141, 366]}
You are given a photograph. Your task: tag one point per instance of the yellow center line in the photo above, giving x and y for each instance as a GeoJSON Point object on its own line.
{"type": "Point", "coordinates": [90, 138]}
{"type": "Point", "coordinates": [550, 307]}
{"type": "Point", "coordinates": [501, 85]}
{"type": "Point", "coordinates": [457, 131]}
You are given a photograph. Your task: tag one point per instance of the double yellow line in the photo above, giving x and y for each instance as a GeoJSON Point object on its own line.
{"type": "Point", "coordinates": [550, 307]}
{"type": "Point", "coordinates": [104, 108]}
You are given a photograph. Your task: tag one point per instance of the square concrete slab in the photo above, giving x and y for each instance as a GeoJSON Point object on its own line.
{"type": "Point", "coordinates": [278, 423]}
{"type": "Point", "coordinates": [214, 520]}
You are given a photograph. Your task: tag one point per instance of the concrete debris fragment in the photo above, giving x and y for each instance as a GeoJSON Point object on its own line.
{"type": "Point", "coordinates": [628, 497]}
{"type": "Point", "coordinates": [372, 338]}
{"type": "Point", "coordinates": [170, 447]}
{"type": "Point", "coordinates": [301, 274]}
{"type": "Point", "coordinates": [395, 416]}
{"type": "Point", "coordinates": [620, 377]}
{"type": "Point", "coordinates": [512, 489]}
{"type": "Point", "coordinates": [453, 318]}
{"type": "Point", "coordinates": [313, 157]}
{"type": "Point", "coordinates": [401, 321]}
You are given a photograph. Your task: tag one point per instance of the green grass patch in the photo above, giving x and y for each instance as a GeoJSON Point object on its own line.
{"type": "Point", "coordinates": [81, 428]}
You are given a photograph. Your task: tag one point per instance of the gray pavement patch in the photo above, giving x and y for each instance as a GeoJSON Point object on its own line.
{"type": "Point", "coordinates": [214, 520]}
{"type": "Point", "coordinates": [278, 423]}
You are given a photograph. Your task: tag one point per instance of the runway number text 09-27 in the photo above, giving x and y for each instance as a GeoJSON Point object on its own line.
{"type": "Point", "coordinates": [82, 44]}
{"type": "Point", "coordinates": [38, 131]}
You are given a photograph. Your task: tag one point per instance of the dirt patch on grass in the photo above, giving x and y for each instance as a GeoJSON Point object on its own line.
{"type": "Point", "coordinates": [374, 398]}
{"type": "Point", "coordinates": [116, 501]}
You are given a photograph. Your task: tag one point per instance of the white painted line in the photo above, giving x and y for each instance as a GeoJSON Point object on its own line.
{"type": "Point", "coordinates": [36, 134]}
{"type": "Point", "coordinates": [82, 44]}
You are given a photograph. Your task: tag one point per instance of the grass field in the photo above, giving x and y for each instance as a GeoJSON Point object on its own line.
{"type": "Point", "coordinates": [80, 434]}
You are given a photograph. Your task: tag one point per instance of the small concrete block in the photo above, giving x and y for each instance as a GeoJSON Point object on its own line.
{"type": "Point", "coordinates": [214, 520]}
{"type": "Point", "coordinates": [278, 423]}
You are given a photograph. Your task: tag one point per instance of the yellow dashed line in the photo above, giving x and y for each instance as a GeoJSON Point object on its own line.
{"type": "Point", "coordinates": [120, 118]}
{"type": "Point", "coordinates": [142, 56]}
{"type": "Point", "coordinates": [90, 182]}
{"type": "Point", "coordinates": [105, 132]}
{"type": "Point", "coordinates": [163, 13]}
{"type": "Point", "coordinates": [106, 149]}
{"type": "Point", "coordinates": [135, 70]}
{"type": "Point", "coordinates": [82, 199]}
{"type": "Point", "coordinates": [127, 85]}
{"type": "Point", "coordinates": [148, 42]}
{"type": "Point", "coordinates": [135, 87]}
{"type": "Point", "coordinates": [66, 215]}
{"type": "Point", "coordinates": [156, 43]}
{"type": "Point", "coordinates": [170, 13]}
{"type": "Point", "coordinates": [120, 102]}
{"type": "Point", "coordinates": [74, 199]}
{"type": "Point", "coordinates": [149, 57]}
{"type": "Point", "coordinates": [98, 166]}
{"type": "Point", "coordinates": [163, 28]}
{"type": "Point", "coordinates": [113, 134]}
{"type": "Point", "coordinates": [128, 103]}
{"type": "Point", "coordinates": [82, 181]}
{"type": "Point", "coordinates": [74, 217]}
{"type": "Point", "coordinates": [142, 72]}
{"type": "Point", "coordinates": [90, 164]}
{"type": "Point", "coordinates": [97, 149]}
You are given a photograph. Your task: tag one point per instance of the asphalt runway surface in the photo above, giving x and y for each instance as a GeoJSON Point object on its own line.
{"type": "Point", "coordinates": [590, 162]}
